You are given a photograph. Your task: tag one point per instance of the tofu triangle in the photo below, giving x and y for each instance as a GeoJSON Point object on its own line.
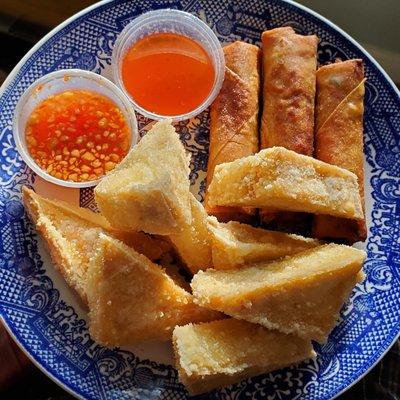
{"type": "Point", "coordinates": [149, 190]}
{"type": "Point", "coordinates": [70, 234]}
{"type": "Point", "coordinates": [131, 299]}
{"type": "Point", "coordinates": [216, 354]}
{"type": "Point", "coordinates": [236, 245]}
{"type": "Point", "coordinates": [302, 294]}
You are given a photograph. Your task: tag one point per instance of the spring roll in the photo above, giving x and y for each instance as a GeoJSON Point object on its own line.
{"type": "Point", "coordinates": [289, 67]}
{"type": "Point", "coordinates": [234, 119]}
{"type": "Point", "coordinates": [339, 138]}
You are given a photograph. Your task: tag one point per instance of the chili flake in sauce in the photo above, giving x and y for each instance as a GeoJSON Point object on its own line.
{"type": "Point", "coordinates": [77, 135]}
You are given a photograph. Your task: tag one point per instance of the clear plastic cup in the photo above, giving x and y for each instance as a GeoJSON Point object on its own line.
{"type": "Point", "coordinates": [171, 21]}
{"type": "Point", "coordinates": [60, 81]}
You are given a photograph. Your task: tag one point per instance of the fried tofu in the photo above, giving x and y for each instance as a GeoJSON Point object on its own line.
{"type": "Point", "coordinates": [193, 242]}
{"type": "Point", "coordinates": [217, 354]}
{"type": "Point", "coordinates": [132, 300]}
{"type": "Point", "coordinates": [281, 179]}
{"type": "Point", "coordinates": [149, 190]}
{"type": "Point", "coordinates": [71, 232]}
{"type": "Point", "coordinates": [236, 245]}
{"type": "Point", "coordinates": [301, 294]}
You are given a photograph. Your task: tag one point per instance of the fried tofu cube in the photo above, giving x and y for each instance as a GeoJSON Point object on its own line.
{"type": "Point", "coordinates": [216, 354]}
{"type": "Point", "coordinates": [301, 294]}
{"type": "Point", "coordinates": [193, 242]}
{"type": "Point", "coordinates": [236, 245]}
{"type": "Point", "coordinates": [149, 190]}
{"type": "Point", "coordinates": [132, 300]}
{"type": "Point", "coordinates": [281, 179]}
{"type": "Point", "coordinates": [71, 232]}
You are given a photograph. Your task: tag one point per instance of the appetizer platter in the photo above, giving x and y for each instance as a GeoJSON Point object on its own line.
{"type": "Point", "coordinates": [200, 200]}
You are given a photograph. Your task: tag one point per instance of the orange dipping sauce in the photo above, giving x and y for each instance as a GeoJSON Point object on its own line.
{"type": "Point", "coordinates": [77, 135]}
{"type": "Point", "coordinates": [168, 74]}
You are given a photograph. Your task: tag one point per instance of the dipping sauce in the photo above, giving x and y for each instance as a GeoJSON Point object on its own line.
{"type": "Point", "coordinates": [77, 135]}
{"type": "Point", "coordinates": [168, 74]}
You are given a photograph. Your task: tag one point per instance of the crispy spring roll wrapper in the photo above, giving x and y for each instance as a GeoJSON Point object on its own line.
{"type": "Point", "coordinates": [339, 138]}
{"type": "Point", "coordinates": [234, 119]}
{"type": "Point", "coordinates": [289, 68]}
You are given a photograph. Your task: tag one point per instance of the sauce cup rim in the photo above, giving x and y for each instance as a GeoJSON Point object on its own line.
{"type": "Point", "coordinates": [47, 79]}
{"type": "Point", "coordinates": [179, 18]}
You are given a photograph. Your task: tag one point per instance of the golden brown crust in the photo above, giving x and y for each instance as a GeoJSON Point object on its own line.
{"type": "Point", "coordinates": [334, 83]}
{"type": "Point", "coordinates": [65, 259]}
{"type": "Point", "coordinates": [339, 138]}
{"type": "Point", "coordinates": [132, 300]}
{"type": "Point", "coordinates": [149, 190]}
{"type": "Point", "coordinates": [217, 354]}
{"type": "Point", "coordinates": [70, 234]}
{"type": "Point", "coordinates": [234, 117]}
{"type": "Point", "coordinates": [244, 60]}
{"type": "Point", "coordinates": [301, 294]}
{"type": "Point", "coordinates": [236, 245]}
{"type": "Point", "coordinates": [289, 65]}
{"type": "Point", "coordinates": [284, 180]}
{"type": "Point", "coordinates": [193, 242]}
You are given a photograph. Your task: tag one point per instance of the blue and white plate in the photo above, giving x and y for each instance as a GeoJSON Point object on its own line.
{"type": "Point", "coordinates": [50, 324]}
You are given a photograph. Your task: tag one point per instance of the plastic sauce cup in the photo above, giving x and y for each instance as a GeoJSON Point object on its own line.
{"type": "Point", "coordinates": [61, 81]}
{"type": "Point", "coordinates": [170, 21]}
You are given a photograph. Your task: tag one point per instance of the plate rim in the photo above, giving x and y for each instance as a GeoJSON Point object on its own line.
{"type": "Point", "coordinates": [101, 3]}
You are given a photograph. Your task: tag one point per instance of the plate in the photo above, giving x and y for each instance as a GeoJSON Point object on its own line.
{"type": "Point", "coordinates": [50, 324]}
